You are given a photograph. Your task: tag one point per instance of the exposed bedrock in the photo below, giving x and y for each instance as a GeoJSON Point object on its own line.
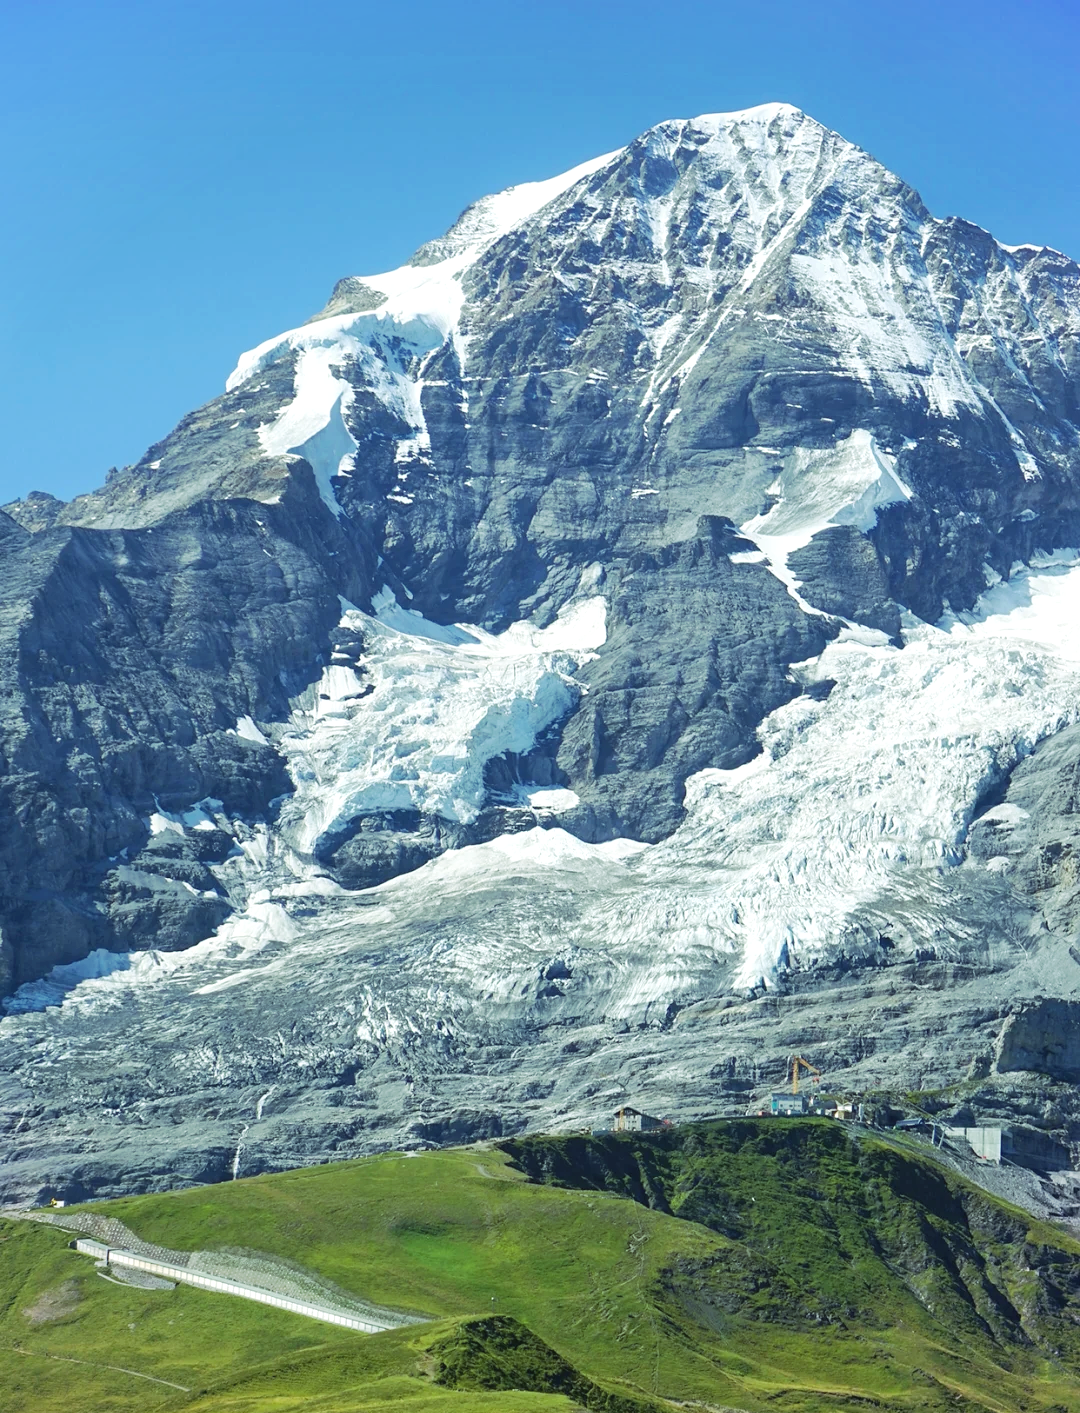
{"type": "Point", "coordinates": [377, 847]}
{"type": "Point", "coordinates": [1028, 830]}
{"type": "Point", "coordinates": [132, 654]}
{"type": "Point", "coordinates": [1042, 1036]}
{"type": "Point", "coordinates": [697, 654]}
{"type": "Point", "coordinates": [841, 572]}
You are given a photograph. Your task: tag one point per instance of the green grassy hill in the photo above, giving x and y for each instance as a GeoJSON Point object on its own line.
{"type": "Point", "coordinates": [749, 1265]}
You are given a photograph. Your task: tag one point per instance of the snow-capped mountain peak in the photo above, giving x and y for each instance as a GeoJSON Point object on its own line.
{"type": "Point", "coordinates": [654, 598]}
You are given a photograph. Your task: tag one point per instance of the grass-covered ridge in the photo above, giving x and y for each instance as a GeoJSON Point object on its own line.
{"type": "Point", "coordinates": [757, 1265]}
{"type": "Point", "coordinates": [825, 1229]}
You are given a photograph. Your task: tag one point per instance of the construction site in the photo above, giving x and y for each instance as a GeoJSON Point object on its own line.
{"type": "Point", "coordinates": [803, 1093]}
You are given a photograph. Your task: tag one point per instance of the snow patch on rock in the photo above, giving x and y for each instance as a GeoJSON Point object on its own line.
{"type": "Point", "coordinates": [247, 730]}
{"type": "Point", "coordinates": [846, 484]}
{"type": "Point", "coordinates": [555, 800]}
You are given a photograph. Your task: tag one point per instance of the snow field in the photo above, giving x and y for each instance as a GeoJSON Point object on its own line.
{"type": "Point", "coordinates": [846, 484]}
{"type": "Point", "coordinates": [413, 724]}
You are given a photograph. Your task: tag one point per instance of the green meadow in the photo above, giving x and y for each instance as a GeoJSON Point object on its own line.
{"type": "Point", "coordinates": [753, 1265]}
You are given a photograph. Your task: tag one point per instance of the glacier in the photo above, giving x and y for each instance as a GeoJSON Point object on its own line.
{"type": "Point", "coordinates": [414, 721]}
{"type": "Point", "coordinates": [877, 779]}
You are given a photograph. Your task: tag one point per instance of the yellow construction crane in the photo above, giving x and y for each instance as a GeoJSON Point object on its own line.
{"type": "Point", "coordinates": [811, 1069]}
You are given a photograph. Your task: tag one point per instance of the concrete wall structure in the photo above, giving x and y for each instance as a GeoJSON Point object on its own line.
{"type": "Point", "coordinates": [985, 1141]}
{"type": "Point", "coordinates": [89, 1247]}
{"type": "Point", "coordinates": [127, 1259]}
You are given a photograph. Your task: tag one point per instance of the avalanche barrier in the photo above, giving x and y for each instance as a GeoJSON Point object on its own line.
{"type": "Point", "coordinates": [248, 1275]}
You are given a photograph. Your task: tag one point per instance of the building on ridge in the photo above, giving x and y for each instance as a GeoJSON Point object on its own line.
{"type": "Point", "coordinates": [628, 1120]}
{"type": "Point", "coordinates": [787, 1105]}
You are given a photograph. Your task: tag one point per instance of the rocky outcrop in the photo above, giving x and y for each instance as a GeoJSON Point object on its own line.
{"type": "Point", "coordinates": [1028, 828]}
{"type": "Point", "coordinates": [1043, 1036]}
{"type": "Point", "coordinates": [841, 571]}
{"type": "Point", "coordinates": [721, 637]}
{"type": "Point", "coordinates": [132, 654]}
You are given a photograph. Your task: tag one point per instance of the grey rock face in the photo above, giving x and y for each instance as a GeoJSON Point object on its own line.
{"type": "Point", "coordinates": [841, 572]}
{"type": "Point", "coordinates": [132, 655]}
{"type": "Point", "coordinates": [1043, 1036]}
{"type": "Point", "coordinates": [38, 511]}
{"type": "Point", "coordinates": [377, 847]}
{"type": "Point", "coordinates": [735, 381]}
{"type": "Point", "coordinates": [697, 653]}
{"type": "Point", "coordinates": [141, 623]}
{"type": "Point", "coordinates": [1030, 829]}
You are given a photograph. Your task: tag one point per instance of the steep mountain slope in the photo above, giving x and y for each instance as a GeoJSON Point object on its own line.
{"type": "Point", "coordinates": [565, 645]}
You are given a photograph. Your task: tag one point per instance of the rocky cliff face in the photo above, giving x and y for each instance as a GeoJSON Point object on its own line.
{"type": "Point", "coordinates": [614, 618]}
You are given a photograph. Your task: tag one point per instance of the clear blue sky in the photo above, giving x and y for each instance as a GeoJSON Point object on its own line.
{"type": "Point", "coordinates": [183, 180]}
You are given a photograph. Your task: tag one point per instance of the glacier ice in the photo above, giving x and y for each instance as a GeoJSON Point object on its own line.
{"type": "Point", "coordinates": [412, 724]}
{"type": "Point", "coordinates": [875, 782]}
{"type": "Point", "coordinates": [869, 787]}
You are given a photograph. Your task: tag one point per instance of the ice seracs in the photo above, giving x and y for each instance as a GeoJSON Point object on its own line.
{"type": "Point", "coordinates": [413, 722]}
{"type": "Point", "coordinates": [870, 788]}
{"type": "Point", "coordinates": [867, 790]}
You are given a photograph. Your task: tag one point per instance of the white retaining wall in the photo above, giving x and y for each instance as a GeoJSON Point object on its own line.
{"type": "Point", "coordinates": [247, 1292]}
{"type": "Point", "coordinates": [985, 1141]}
